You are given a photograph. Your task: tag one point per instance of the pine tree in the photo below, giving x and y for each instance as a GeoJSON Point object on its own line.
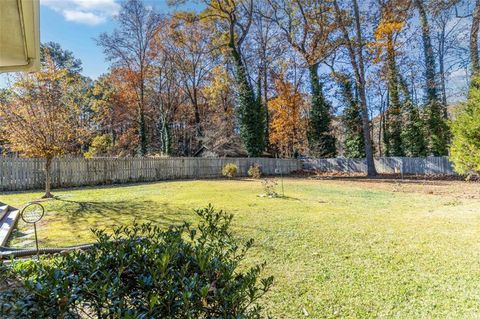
{"type": "Point", "coordinates": [354, 142]}
{"type": "Point", "coordinates": [394, 146]}
{"type": "Point", "coordinates": [465, 148]}
{"type": "Point", "coordinates": [320, 140]}
{"type": "Point", "coordinates": [438, 130]}
{"type": "Point", "coordinates": [250, 110]}
{"type": "Point", "coordinates": [413, 133]}
{"type": "Point", "coordinates": [439, 133]}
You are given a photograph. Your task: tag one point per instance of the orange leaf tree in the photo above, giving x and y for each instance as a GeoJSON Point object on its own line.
{"type": "Point", "coordinates": [288, 126]}
{"type": "Point", "coordinates": [41, 116]}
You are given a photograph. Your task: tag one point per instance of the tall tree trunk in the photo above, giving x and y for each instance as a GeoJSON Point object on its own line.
{"type": "Point", "coordinates": [48, 178]}
{"type": "Point", "coordinates": [142, 134]}
{"type": "Point", "coordinates": [474, 40]}
{"type": "Point", "coordinates": [360, 79]}
{"type": "Point", "coordinates": [163, 131]}
{"type": "Point", "coordinates": [428, 53]}
{"type": "Point", "coordinates": [394, 110]}
{"type": "Point", "coordinates": [438, 130]}
{"type": "Point", "coordinates": [265, 102]}
{"type": "Point", "coordinates": [441, 67]}
{"type": "Point", "coordinates": [198, 127]}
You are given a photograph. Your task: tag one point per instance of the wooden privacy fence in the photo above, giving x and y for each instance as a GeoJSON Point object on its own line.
{"type": "Point", "coordinates": [24, 174]}
{"type": "Point", "coordinates": [384, 165]}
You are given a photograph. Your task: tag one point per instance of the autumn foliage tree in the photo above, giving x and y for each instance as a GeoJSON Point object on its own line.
{"type": "Point", "coordinates": [310, 28]}
{"type": "Point", "coordinates": [234, 18]}
{"type": "Point", "coordinates": [128, 47]}
{"type": "Point", "coordinates": [41, 116]}
{"type": "Point", "coordinates": [386, 33]}
{"type": "Point", "coordinates": [288, 121]}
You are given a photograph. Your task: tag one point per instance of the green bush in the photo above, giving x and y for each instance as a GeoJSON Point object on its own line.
{"type": "Point", "coordinates": [465, 147]}
{"type": "Point", "coordinates": [255, 171]}
{"type": "Point", "coordinates": [143, 271]}
{"type": "Point", "coordinates": [101, 146]}
{"type": "Point", "coordinates": [230, 170]}
{"type": "Point", "coordinates": [269, 187]}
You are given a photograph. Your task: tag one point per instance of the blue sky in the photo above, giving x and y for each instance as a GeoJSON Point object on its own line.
{"type": "Point", "coordinates": [76, 23]}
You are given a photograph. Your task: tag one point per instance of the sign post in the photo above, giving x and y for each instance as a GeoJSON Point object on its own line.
{"type": "Point", "coordinates": [32, 214]}
{"type": "Point", "coordinates": [279, 171]}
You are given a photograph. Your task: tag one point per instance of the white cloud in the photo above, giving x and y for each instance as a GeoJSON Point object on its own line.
{"type": "Point", "coordinates": [91, 12]}
{"type": "Point", "coordinates": [83, 17]}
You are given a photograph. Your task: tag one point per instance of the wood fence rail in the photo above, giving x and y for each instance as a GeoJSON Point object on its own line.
{"type": "Point", "coordinates": [25, 173]}
{"type": "Point", "coordinates": [385, 165]}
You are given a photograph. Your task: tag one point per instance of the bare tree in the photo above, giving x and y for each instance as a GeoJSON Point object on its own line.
{"type": "Point", "coordinates": [355, 47]}
{"type": "Point", "coordinates": [128, 47]}
{"type": "Point", "coordinates": [310, 28]}
{"type": "Point", "coordinates": [189, 45]}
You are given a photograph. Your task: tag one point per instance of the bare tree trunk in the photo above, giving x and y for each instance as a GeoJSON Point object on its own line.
{"type": "Point", "coordinates": [428, 53]}
{"type": "Point", "coordinates": [265, 102]}
{"type": "Point", "coordinates": [198, 126]}
{"type": "Point", "coordinates": [48, 178]}
{"type": "Point", "coordinates": [142, 134]}
{"type": "Point", "coordinates": [474, 40]}
{"type": "Point", "coordinates": [371, 171]}
{"type": "Point", "coordinates": [441, 67]}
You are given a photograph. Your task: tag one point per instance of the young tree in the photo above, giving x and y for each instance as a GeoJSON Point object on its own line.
{"type": "Point", "coordinates": [128, 47]}
{"type": "Point", "coordinates": [309, 27]}
{"type": "Point", "coordinates": [41, 117]}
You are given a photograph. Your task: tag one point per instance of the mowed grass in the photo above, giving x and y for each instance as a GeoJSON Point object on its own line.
{"type": "Point", "coordinates": [337, 248]}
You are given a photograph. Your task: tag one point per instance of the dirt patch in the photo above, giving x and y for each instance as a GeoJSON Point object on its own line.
{"type": "Point", "coordinates": [448, 186]}
{"type": "Point", "coordinates": [452, 189]}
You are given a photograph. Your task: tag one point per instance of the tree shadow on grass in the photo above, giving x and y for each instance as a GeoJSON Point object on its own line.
{"type": "Point", "coordinates": [121, 211]}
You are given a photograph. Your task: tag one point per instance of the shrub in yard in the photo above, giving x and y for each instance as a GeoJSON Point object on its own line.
{"type": "Point", "coordinates": [269, 187]}
{"type": "Point", "coordinates": [143, 271]}
{"type": "Point", "coordinates": [465, 147]}
{"type": "Point", "coordinates": [230, 170]}
{"type": "Point", "coordinates": [255, 171]}
{"type": "Point", "coordinates": [101, 146]}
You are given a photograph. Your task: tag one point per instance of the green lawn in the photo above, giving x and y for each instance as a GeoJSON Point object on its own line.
{"type": "Point", "coordinates": [357, 249]}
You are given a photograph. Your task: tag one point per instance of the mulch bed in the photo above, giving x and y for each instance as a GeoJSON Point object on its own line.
{"type": "Point", "coordinates": [342, 175]}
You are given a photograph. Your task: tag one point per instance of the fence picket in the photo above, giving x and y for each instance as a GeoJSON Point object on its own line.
{"type": "Point", "coordinates": [28, 173]}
